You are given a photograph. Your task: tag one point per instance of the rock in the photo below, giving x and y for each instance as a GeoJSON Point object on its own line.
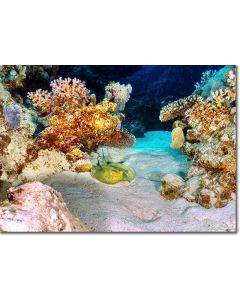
{"type": "Point", "coordinates": [192, 186]}
{"type": "Point", "coordinates": [47, 164]}
{"type": "Point", "coordinates": [207, 198]}
{"type": "Point", "coordinates": [171, 184]}
{"type": "Point", "coordinates": [35, 207]}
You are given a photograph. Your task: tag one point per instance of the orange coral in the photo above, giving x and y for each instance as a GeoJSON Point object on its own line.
{"type": "Point", "coordinates": [87, 127]}
{"type": "Point", "coordinates": [76, 121]}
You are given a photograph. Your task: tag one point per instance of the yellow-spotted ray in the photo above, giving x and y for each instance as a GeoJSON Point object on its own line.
{"type": "Point", "coordinates": [111, 173]}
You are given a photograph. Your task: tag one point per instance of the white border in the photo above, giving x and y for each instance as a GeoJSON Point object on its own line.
{"type": "Point", "coordinates": [116, 266]}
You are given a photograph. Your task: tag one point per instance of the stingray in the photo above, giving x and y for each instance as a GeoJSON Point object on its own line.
{"type": "Point", "coordinates": [110, 172]}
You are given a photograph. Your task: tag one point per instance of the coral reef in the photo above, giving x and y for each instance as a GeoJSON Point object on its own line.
{"type": "Point", "coordinates": [118, 93]}
{"type": "Point", "coordinates": [178, 108]}
{"type": "Point", "coordinates": [14, 153]}
{"type": "Point", "coordinates": [35, 207]}
{"type": "Point", "coordinates": [205, 78]}
{"type": "Point", "coordinates": [68, 124]}
{"type": "Point", "coordinates": [13, 76]}
{"type": "Point", "coordinates": [66, 93]}
{"type": "Point", "coordinates": [77, 124]}
{"type": "Point", "coordinates": [210, 139]}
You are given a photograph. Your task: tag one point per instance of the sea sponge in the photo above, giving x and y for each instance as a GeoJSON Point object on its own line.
{"type": "Point", "coordinates": [12, 115]}
{"type": "Point", "coordinates": [177, 138]}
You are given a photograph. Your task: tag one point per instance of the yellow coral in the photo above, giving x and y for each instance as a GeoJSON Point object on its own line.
{"type": "Point", "coordinates": [177, 138]}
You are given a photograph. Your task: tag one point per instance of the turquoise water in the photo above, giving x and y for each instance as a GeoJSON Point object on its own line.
{"type": "Point", "coordinates": [156, 141]}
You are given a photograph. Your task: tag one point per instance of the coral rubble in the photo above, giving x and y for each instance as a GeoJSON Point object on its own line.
{"type": "Point", "coordinates": [210, 118]}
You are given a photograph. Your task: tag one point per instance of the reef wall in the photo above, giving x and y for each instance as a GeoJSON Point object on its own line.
{"type": "Point", "coordinates": [208, 120]}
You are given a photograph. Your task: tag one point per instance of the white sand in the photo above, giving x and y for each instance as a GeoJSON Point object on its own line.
{"type": "Point", "coordinates": [138, 206]}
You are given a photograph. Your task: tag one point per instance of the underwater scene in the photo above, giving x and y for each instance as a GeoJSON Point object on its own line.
{"type": "Point", "coordinates": [124, 148]}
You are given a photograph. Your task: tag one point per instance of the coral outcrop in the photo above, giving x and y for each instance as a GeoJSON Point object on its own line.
{"type": "Point", "coordinates": [77, 123]}
{"type": "Point", "coordinates": [35, 207]}
{"type": "Point", "coordinates": [170, 188]}
{"type": "Point", "coordinates": [210, 139]}
{"type": "Point", "coordinates": [65, 126]}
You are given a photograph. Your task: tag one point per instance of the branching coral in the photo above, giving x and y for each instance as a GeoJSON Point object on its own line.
{"type": "Point", "coordinates": [66, 93]}
{"type": "Point", "coordinates": [77, 123]}
{"type": "Point", "coordinates": [118, 93]}
{"type": "Point", "coordinates": [210, 140]}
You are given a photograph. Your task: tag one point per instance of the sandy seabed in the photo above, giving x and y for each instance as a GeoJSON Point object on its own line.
{"type": "Point", "coordinates": [138, 206]}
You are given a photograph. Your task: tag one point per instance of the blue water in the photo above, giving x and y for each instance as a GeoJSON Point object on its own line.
{"type": "Point", "coordinates": [156, 141]}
